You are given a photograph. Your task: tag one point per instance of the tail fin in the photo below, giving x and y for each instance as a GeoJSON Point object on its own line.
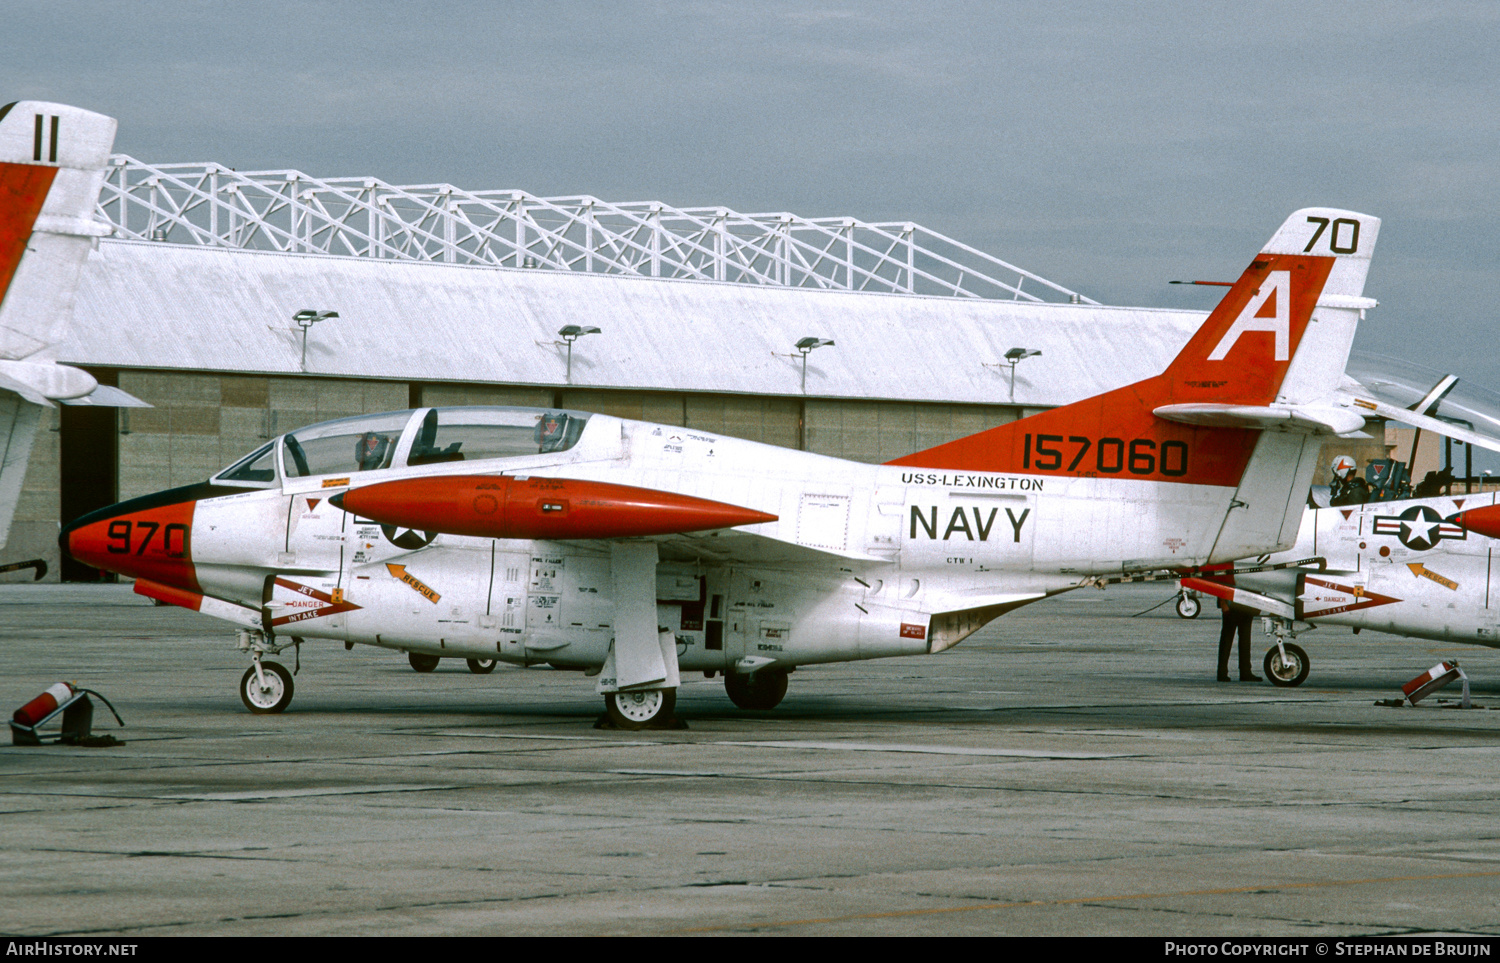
{"type": "Point", "coordinates": [1275, 346]}
{"type": "Point", "coordinates": [52, 162]}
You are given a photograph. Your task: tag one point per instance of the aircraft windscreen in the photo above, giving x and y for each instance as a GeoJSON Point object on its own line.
{"type": "Point", "coordinates": [470, 434]}
{"type": "Point", "coordinates": [257, 468]}
{"type": "Point", "coordinates": [1405, 384]}
{"type": "Point", "coordinates": [363, 443]}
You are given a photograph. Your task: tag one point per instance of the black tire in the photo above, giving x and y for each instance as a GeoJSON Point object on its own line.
{"type": "Point", "coordinates": [422, 662]}
{"type": "Point", "coordinates": [640, 709]}
{"type": "Point", "coordinates": [1292, 672]}
{"type": "Point", "coordinates": [481, 666]}
{"type": "Point", "coordinates": [1188, 607]}
{"type": "Point", "coordinates": [756, 690]}
{"type": "Point", "coordinates": [274, 697]}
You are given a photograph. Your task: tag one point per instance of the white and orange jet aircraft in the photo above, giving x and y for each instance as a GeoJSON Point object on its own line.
{"type": "Point", "coordinates": [1418, 567]}
{"type": "Point", "coordinates": [635, 551]}
{"type": "Point", "coordinates": [52, 163]}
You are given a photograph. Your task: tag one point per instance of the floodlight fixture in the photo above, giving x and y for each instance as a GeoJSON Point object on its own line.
{"type": "Point", "coordinates": [570, 333]}
{"type": "Point", "coordinates": [305, 319]}
{"type": "Point", "coordinates": [806, 346]}
{"type": "Point", "coordinates": [1015, 356]}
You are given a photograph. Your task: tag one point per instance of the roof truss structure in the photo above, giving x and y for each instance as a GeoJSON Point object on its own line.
{"type": "Point", "coordinates": [291, 212]}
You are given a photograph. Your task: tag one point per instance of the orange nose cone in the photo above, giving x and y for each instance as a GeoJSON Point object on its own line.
{"type": "Point", "coordinates": [485, 506]}
{"type": "Point", "coordinates": [1481, 521]}
{"type": "Point", "coordinates": [140, 538]}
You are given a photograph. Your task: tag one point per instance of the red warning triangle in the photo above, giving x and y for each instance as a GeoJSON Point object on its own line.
{"type": "Point", "coordinates": [1459, 502]}
{"type": "Point", "coordinates": [313, 503]}
{"type": "Point", "coordinates": [1346, 512]}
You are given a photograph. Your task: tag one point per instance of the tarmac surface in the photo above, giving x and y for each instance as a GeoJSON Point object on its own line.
{"type": "Point", "coordinates": [1070, 770]}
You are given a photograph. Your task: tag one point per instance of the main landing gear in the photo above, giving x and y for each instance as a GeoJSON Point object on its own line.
{"type": "Point", "coordinates": [422, 662]}
{"type": "Point", "coordinates": [641, 708]}
{"type": "Point", "coordinates": [756, 690]}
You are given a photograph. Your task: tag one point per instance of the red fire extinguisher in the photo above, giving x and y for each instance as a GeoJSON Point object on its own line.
{"type": "Point", "coordinates": [33, 712]}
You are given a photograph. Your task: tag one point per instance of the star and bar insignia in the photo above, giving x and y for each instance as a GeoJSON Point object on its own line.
{"type": "Point", "coordinates": [1419, 527]}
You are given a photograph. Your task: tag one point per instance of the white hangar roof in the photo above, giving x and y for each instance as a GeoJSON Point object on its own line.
{"type": "Point", "coordinates": [174, 306]}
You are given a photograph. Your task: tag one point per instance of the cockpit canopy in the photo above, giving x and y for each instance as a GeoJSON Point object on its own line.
{"type": "Point", "coordinates": [1405, 384]}
{"type": "Point", "coordinates": [398, 439]}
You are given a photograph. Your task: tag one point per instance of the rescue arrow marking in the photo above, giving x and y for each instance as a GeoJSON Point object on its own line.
{"type": "Point", "coordinates": [1422, 571]}
{"type": "Point", "coordinates": [420, 587]}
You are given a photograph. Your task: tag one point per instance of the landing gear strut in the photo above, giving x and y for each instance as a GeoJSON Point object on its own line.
{"type": "Point", "coordinates": [1188, 605]}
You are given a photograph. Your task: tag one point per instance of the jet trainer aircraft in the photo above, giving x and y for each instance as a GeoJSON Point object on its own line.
{"type": "Point", "coordinates": [634, 551]}
{"type": "Point", "coordinates": [1421, 567]}
{"type": "Point", "coordinates": [52, 161]}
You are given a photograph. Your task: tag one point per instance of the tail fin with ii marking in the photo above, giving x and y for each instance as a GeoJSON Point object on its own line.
{"type": "Point", "coordinates": [52, 164]}
{"type": "Point", "coordinates": [1235, 408]}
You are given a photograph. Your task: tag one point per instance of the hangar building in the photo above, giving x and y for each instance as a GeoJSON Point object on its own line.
{"type": "Point", "coordinates": [448, 297]}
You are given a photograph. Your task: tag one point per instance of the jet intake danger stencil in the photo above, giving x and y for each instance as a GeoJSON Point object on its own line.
{"type": "Point", "coordinates": [1419, 528]}
{"type": "Point", "coordinates": [1321, 596]}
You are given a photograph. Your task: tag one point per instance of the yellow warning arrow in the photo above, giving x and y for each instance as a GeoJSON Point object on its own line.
{"type": "Point", "coordinates": [422, 588]}
{"type": "Point", "coordinates": [1422, 571]}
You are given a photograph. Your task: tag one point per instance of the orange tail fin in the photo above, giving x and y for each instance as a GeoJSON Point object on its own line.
{"type": "Point", "coordinates": [1249, 352]}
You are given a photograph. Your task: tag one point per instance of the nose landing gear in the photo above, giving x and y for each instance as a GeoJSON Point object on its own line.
{"type": "Point", "coordinates": [266, 687]}
{"type": "Point", "coordinates": [1286, 664]}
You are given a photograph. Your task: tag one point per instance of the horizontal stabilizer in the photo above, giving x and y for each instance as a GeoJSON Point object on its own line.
{"type": "Point", "coordinates": [1322, 419]}
{"type": "Point", "coordinates": [1238, 596]}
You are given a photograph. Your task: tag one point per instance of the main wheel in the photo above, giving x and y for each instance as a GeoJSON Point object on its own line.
{"type": "Point", "coordinates": [272, 697]}
{"type": "Point", "coordinates": [1289, 671]}
{"type": "Point", "coordinates": [637, 710]}
{"type": "Point", "coordinates": [421, 662]}
{"type": "Point", "coordinates": [757, 690]}
{"type": "Point", "coordinates": [1188, 606]}
{"type": "Point", "coordinates": [481, 666]}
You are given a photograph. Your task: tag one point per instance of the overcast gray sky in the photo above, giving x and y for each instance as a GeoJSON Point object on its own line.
{"type": "Point", "coordinates": [1108, 147]}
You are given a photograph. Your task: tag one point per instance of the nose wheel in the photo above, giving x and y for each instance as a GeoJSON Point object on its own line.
{"type": "Point", "coordinates": [481, 666]}
{"type": "Point", "coordinates": [423, 663]}
{"type": "Point", "coordinates": [1188, 606]}
{"type": "Point", "coordinates": [266, 688]}
{"type": "Point", "coordinates": [1286, 665]}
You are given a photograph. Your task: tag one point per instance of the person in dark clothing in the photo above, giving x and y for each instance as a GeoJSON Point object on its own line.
{"type": "Point", "coordinates": [1236, 620]}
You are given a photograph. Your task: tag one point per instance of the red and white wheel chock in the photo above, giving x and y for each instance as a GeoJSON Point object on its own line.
{"type": "Point", "coordinates": [1434, 679]}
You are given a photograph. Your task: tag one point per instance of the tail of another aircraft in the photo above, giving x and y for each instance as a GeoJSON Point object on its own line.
{"type": "Point", "coordinates": [52, 163]}
{"type": "Point", "coordinates": [1235, 408]}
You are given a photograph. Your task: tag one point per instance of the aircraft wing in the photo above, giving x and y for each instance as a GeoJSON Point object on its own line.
{"type": "Point", "coordinates": [738, 545]}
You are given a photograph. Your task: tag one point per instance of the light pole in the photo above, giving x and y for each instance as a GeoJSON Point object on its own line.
{"type": "Point", "coordinates": [306, 319]}
{"type": "Point", "coordinates": [806, 346]}
{"type": "Point", "coordinates": [570, 333]}
{"type": "Point", "coordinates": [1015, 356]}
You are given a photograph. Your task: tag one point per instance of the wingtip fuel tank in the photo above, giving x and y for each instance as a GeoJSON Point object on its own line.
{"type": "Point", "coordinates": [1484, 520]}
{"type": "Point", "coordinates": [501, 506]}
